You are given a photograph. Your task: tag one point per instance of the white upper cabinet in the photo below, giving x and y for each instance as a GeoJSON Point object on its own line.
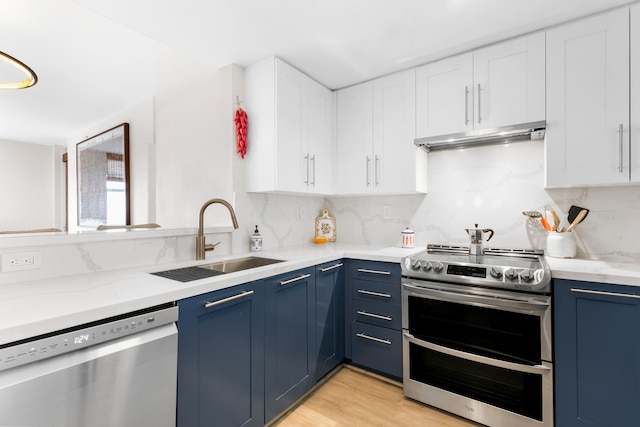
{"type": "Point", "coordinates": [444, 96]}
{"type": "Point", "coordinates": [587, 140]}
{"type": "Point", "coordinates": [289, 132]}
{"type": "Point", "coordinates": [500, 85]}
{"type": "Point", "coordinates": [375, 128]}
{"type": "Point", "coordinates": [635, 96]}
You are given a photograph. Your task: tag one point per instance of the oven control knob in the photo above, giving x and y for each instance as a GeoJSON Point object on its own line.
{"type": "Point", "coordinates": [427, 266]}
{"type": "Point", "coordinates": [437, 267]}
{"type": "Point", "coordinates": [496, 273]}
{"type": "Point", "coordinates": [415, 265]}
{"type": "Point", "coordinates": [511, 274]}
{"type": "Point", "coordinates": [526, 275]}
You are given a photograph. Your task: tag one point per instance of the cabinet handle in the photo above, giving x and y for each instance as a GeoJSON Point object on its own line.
{"type": "Point", "coordinates": [295, 279]}
{"type": "Point", "coordinates": [369, 337]}
{"type": "Point", "coordinates": [222, 301]}
{"type": "Point", "coordinates": [466, 105]}
{"type": "Point", "coordinates": [375, 294]}
{"type": "Point", "coordinates": [620, 145]}
{"type": "Point", "coordinates": [364, 270]}
{"type": "Point", "coordinates": [479, 104]}
{"type": "Point", "coordinates": [333, 267]}
{"type": "Point", "coordinates": [313, 175]}
{"type": "Point", "coordinates": [306, 157]}
{"type": "Point", "coordinates": [375, 316]}
{"type": "Point", "coordinates": [608, 294]}
{"type": "Point", "coordinates": [376, 168]}
{"type": "Point", "coordinates": [368, 163]}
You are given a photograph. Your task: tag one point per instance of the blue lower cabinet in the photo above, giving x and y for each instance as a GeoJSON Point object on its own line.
{"type": "Point", "coordinates": [597, 354]}
{"type": "Point", "coordinates": [376, 348]}
{"type": "Point", "coordinates": [220, 358]}
{"type": "Point", "coordinates": [330, 297]}
{"type": "Point", "coordinates": [290, 355]}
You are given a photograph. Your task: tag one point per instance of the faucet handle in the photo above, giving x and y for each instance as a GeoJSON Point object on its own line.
{"type": "Point", "coordinates": [210, 247]}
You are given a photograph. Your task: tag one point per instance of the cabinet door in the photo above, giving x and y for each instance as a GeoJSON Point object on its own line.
{"type": "Point", "coordinates": [587, 140]}
{"type": "Point", "coordinates": [291, 153]}
{"type": "Point", "coordinates": [318, 145]}
{"type": "Point", "coordinates": [329, 317]}
{"type": "Point", "coordinates": [444, 97]}
{"type": "Point", "coordinates": [509, 82]}
{"type": "Point", "coordinates": [289, 339]}
{"type": "Point", "coordinates": [394, 153]}
{"type": "Point", "coordinates": [355, 140]}
{"type": "Point", "coordinates": [635, 95]}
{"type": "Point", "coordinates": [597, 354]}
{"type": "Point", "coordinates": [220, 358]}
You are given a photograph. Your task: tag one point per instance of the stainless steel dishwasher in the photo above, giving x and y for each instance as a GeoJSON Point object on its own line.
{"type": "Point", "coordinates": [117, 372]}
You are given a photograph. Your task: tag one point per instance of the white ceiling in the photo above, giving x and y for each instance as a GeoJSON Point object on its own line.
{"type": "Point", "coordinates": [96, 57]}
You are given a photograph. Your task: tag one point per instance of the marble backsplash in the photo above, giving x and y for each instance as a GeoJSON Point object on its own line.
{"type": "Point", "coordinates": [491, 186]}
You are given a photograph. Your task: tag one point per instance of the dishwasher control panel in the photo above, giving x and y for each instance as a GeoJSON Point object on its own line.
{"type": "Point", "coordinates": [73, 339]}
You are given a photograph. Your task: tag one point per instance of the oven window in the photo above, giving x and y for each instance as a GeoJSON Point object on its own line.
{"type": "Point", "coordinates": [499, 334]}
{"type": "Point", "coordinates": [514, 391]}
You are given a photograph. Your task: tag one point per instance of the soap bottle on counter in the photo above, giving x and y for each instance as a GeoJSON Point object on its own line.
{"type": "Point", "coordinates": [256, 241]}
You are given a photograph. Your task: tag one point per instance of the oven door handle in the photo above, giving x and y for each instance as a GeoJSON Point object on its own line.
{"type": "Point", "coordinates": [465, 297]}
{"type": "Point", "coordinates": [531, 369]}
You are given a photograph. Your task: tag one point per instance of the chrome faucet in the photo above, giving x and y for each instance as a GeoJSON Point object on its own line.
{"type": "Point", "coordinates": [201, 246]}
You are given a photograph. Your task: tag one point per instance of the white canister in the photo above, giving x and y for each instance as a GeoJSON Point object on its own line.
{"type": "Point", "coordinates": [256, 241]}
{"type": "Point", "coordinates": [561, 245]}
{"type": "Point", "coordinates": [408, 238]}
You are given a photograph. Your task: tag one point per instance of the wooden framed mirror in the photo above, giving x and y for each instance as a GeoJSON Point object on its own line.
{"type": "Point", "coordinates": [102, 167]}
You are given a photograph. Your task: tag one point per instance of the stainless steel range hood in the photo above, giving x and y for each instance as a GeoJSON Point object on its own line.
{"type": "Point", "coordinates": [503, 135]}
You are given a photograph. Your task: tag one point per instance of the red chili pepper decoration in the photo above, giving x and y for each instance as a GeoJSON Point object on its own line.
{"type": "Point", "coordinates": [241, 121]}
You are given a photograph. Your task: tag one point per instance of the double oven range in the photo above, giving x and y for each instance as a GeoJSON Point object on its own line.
{"type": "Point", "coordinates": [477, 334]}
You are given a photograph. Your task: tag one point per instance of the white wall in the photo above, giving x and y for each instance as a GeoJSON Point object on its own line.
{"type": "Point", "coordinates": [29, 176]}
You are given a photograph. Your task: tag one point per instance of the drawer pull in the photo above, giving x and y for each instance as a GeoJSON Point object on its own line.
{"type": "Point", "coordinates": [369, 337]}
{"type": "Point", "coordinates": [375, 294]}
{"type": "Point", "coordinates": [222, 301]}
{"type": "Point", "coordinates": [609, 294]}
{"type": "Point", "coordinates": [364, 270]}
{"type": "Point", "coordinates": [295, 279]}
{"type": "Point", "coordinates": [376, 316]}
{"type": "Point", "coordinates": [333, 267]}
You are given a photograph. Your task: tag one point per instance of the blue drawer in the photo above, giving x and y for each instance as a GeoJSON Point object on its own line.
{"type": "Point", "coordinates": [377, 348]}
{"type": "Point", "coordinates": [378, 292]}
{"type": "Point", "coordinates": [387, 272]}
{"type": "Point", "coordinates": [384, 315]}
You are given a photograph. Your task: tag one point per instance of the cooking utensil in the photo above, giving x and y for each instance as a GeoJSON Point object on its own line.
{"type": "Point", "coordinates": [556, 219]}
{"type": "Point", "coordinates": [574, 211]}
{"type": "Point", "coordinates": [578, 219]}
{"type": "Point", "coordinates": [532, 214]}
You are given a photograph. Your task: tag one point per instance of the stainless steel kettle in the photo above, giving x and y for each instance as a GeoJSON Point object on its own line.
{"type": "Point", "coordinates": [477, 237]}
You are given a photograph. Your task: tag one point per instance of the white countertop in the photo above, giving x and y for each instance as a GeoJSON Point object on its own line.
{"type": "Point", "coordinates": [29, 309]}
{"type": "Point", "coordinates": [620, 273]}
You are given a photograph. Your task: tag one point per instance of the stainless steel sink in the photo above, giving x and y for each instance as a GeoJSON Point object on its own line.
{"type": "Point", "coordinates": [240, 264]}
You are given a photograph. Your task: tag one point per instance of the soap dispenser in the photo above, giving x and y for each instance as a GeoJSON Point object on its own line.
{"type": "Point", "coordinates": [256, 241]}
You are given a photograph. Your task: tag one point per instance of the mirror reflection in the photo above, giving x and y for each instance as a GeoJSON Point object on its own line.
{"type": "Point", "coordinates": [103, 173]}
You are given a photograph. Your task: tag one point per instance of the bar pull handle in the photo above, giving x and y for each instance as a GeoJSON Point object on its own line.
{"type": "Point", "coordinates": [224, 300]}
{"type": "Point", "coordinates": [620, 146]}
{"type": "Point", "coordinates": [313, 175]}
{"type": "Point", "coordinates": [374, 294]}
{"type": "Point", "coordinates": [369, 337]}
{"type": "Point", "coordinates": [333, 267]}
{"type": "Point", "coordinates": [608, 294]}
{"type": "Point", "coordinates": [306, 158]}
{"type": "Point", "coordinates": [295, 279]}
{"type": "Point", "coordinates": [377, 170]}
{"type": "Point", "coordinates": [479, 103]}
{"type": "Point", "coordinates": [466, 105]}
{"type": "Point", "coordinates": [364, 270]}
{"type": "Point", "coordinates": [375, 316]}
{"type": "Point", "coordinates": [368, 166]}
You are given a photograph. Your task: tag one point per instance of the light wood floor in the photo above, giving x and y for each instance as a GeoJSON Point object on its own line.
{"type": "Point", "coordinates": [352, 398]}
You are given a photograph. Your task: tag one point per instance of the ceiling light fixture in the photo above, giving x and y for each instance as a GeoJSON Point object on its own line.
{"type": "Point", "coordinates": [31, 79]}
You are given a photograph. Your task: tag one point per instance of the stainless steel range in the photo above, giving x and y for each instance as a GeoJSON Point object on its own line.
{"type": "Point", "coordinates": [477, 333]}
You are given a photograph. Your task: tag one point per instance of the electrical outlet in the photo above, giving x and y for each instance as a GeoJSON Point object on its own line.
{"type": "Point", "coordinates": [21, 261]}
{"type": "Point", "coordinates": [386, 212]}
